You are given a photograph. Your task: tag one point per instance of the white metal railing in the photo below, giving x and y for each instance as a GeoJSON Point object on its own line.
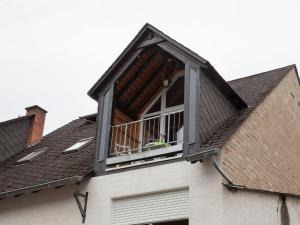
{"type": "Point", "coordinates": [157, 131]}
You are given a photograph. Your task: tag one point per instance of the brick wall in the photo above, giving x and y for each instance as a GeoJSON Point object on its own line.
{"type": "Point", "coordinates": [265, 151]}
{"type": "Point", "coordinates": [37, 124]}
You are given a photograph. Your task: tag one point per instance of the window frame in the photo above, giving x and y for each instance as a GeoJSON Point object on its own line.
{"type": "Point", "coordinates": [88, 141]}
{"type": "Point", "coordinates": [163, 95]}
{"type": "Point", "coordinates": [27, 157]}
{"type": "Point", "coordinates": [163, 109]}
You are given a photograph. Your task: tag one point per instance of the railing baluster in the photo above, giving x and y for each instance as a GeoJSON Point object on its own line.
{"type": "Point", "coordinates": [120, 141]}
{"type": "Point", "coordinates": [125, 136]}
{"type": "Point", "coordinates": [173, 127]}
{"type": "Point", "coordinates": [153, 134]}
{"type": "Point", "coordinates": [178, 128]}
{"type": "Point", "coordinates": [129, 142]}
{"type": "Point", "coordinates": [135, 137]}
{"type": "Point", "coordinates": [168, 134]}
{"type": "Point", "coordinates": [116, 139]}
{"type": "Point", "coordinates": [148, 131]}
{"type": "Point", "coordinates": [145, 131]}
{"type": "Point", "coordinates": [112, 139]}
{"type": "Point", "coordinates": [158, 127]}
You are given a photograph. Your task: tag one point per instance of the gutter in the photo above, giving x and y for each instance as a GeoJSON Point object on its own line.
{"type": "Point", "coordinates": [216, 152]}
{"type": "Point", "coordinates": [213, 154]}
{"type": "Point", "coordinates": [218, 168]}
{"type": "Point", "coordinates": [244, 188]}
{"type": "Point", "coordinates": [40, 187]}
{"type": "Point", "coordinates": [234, 187]}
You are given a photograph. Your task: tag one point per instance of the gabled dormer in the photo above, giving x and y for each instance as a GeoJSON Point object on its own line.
{"type": "Point", "coordinates": [158, 101]}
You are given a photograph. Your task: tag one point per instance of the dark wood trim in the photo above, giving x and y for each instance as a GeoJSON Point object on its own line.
{"type": "Point", "coordinates": [141, 68]}
{"type": "Point", "coordinates": [103, 130]}
{"type": "Point", "coordinates": [98, 128]}
{"type": "Point", "coordinates": [179, 54]}
{"type": "Point", "coordinates": [150, 39]}
{"type": "Point", "coordinates": [129, 62]}
{"type": "Point", "coordinates": [225, 88]}
{"type": "Point", "coordinates": [191, 140]}
{"type": "Point", "coordinates": [138, 38]}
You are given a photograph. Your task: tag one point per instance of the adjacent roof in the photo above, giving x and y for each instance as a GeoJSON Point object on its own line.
{"type": "Point", "coordinates": [252, 89]}
{"type": "Point", "coordinates": [54, 167]}
{"type": "Point", "coordinates": [14, 134]}
{"type": "Point", "coordinates": [51, 166]}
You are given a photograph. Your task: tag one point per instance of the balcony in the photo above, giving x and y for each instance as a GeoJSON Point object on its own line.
{"type": "Point", "coordinates": [154, 137]}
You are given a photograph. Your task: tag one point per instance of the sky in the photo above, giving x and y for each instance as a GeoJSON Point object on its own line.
{"type": "Point", "coordinates": [53, 51]}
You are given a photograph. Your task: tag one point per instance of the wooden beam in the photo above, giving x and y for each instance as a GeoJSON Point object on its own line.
{"type": "Point", "coordinates": [146, 83]}
{"type": "Point", "coordinates": [130, 113]}
{"type": "Point", "coordinates": [105, 87]}
{"type": "Point", "coordinates": [145, 64]}
{"type": "Point", "coordinates": [180, 54]}
{"type": "Point", "coordinates": [150, 39]}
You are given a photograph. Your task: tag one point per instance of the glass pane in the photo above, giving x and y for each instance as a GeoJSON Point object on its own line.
{"type": "Point", "coordinates": [175, 95]}
{"type": "Point", "coordinates": [155, 107]}
{"type": "Point", "coordinates": [31, 155]}
{"type": "Point", "coordinates": [78, 145]}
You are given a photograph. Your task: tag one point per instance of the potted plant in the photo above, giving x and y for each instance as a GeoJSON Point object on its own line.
{"type": "Point", "coordinates": [158, 143]}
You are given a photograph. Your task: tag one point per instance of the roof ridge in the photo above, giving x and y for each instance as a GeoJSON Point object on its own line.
{"type": "Point", "coordinates": [60, 128]}
{"type": "Point", "coordinates": [268, 71]}
{"type": "Point", "coordinates": [15, 119]}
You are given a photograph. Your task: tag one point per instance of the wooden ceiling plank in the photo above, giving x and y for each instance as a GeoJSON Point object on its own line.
{"type": "Point", "coordinates": [146, 83]}
{"type": "Point", "coordinates": [142, 67]}
{"type": "Point", "coordinates": [127, 111]}
{"type": "Point", "coordinates": [151, 96]}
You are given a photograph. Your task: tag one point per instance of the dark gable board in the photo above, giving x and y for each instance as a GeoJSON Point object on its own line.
{"type": "Point", "coordinates": [217, 96]}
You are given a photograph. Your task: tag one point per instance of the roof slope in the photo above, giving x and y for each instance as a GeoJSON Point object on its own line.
{"type": "Point", "coordinates": [132, 46]}
{"type": "Point", "coordinates": [252, 89]}
{"type": "Point", "coordinates": [51, 165]}
{"type": "Point", "coordinates": [169, 45]}
{"type": "Point", "coordinates": [13, 136]}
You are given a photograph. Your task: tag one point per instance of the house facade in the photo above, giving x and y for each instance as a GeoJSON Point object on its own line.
{"type": "Point", "coordinates": [172, 143]}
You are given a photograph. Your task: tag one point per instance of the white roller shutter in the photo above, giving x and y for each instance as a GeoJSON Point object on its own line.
{"type": "Point", "coordinates": [165, 206]}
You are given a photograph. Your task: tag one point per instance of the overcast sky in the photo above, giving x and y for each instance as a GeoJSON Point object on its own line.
{"type": "Point", "coordinates": [52, 52]}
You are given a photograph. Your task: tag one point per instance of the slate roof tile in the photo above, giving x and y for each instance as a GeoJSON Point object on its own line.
{"type": "Point", "coordinates": [53, 165]}
{"type": "Point", "coordinates": [252, 89]}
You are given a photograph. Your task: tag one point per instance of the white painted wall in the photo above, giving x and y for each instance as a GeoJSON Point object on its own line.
{"type": "Point", "coordinates": [210, 203]}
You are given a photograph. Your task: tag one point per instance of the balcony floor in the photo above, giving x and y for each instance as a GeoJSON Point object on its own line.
{"type": "Point", "coordinates": [144, 154]}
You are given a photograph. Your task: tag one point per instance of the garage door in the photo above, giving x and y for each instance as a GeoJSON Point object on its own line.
{"type": "Point", "coordinates": [165, 206]}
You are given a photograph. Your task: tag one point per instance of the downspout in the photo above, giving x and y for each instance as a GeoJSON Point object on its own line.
{"type": "Point", "coordinates": [218, 168]}
{"type": "Point", "coordinates": [213, 154]}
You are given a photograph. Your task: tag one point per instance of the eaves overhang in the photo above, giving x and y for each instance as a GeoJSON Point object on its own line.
{"type": "Point", "coordinates": [235, 187]}
{"type": "Point", "coordinates": [42, 186]}
{"type": "Point", "coordinates": [15, 120]}
{"type": "Point", "coordinates": [167, 43]}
